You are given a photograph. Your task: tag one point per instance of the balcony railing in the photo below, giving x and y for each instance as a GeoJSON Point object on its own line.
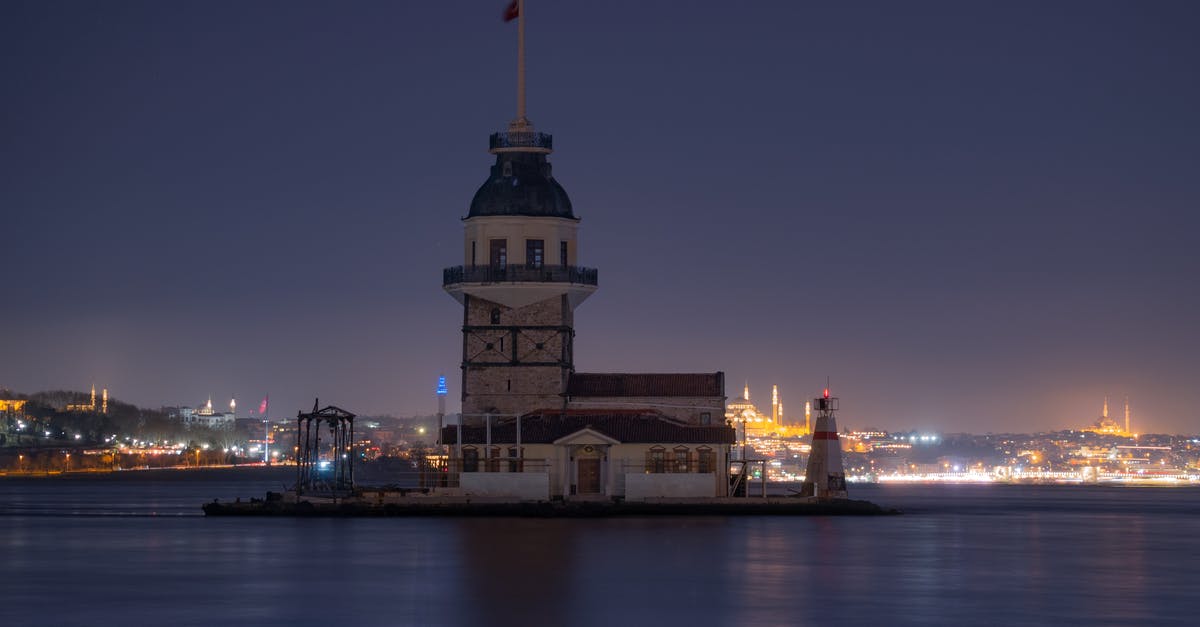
{"type": "Point", "coordinates": [519, 274]}
{"type": "Point", "coordinates": [520, 139]}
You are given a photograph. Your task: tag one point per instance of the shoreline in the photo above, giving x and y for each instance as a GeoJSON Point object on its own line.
{"type": "Point", "coordinates": [427, 506]}
{"type": "Point", "coordinates": [173, 472]}
{"type": "Point", "coordinates": [775, 488]}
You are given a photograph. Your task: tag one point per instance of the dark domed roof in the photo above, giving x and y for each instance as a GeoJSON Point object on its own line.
{"type": "Point", "coordinates": [521, 185]}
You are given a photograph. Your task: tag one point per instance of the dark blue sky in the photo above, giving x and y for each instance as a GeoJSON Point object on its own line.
{"type": "Point", "coordinates": [972, 216]}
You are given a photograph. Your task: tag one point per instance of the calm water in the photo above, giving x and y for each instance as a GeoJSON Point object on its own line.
{"type": "Point", "coordinates": [132, 549]}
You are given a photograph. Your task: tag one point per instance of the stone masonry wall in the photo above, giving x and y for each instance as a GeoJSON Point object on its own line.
{"type": "Point", "coordinates": [499, 371]}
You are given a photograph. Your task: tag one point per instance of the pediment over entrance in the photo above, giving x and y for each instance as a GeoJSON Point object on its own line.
{"type": "Point", "coordinates": [586, 436]}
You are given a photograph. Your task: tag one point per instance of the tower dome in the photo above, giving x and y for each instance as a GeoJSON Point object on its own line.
{"type": "Point", "coordinates": [520, 184]}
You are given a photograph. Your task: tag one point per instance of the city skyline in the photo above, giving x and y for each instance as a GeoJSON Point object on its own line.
{"type": "Point", "coordinates": [247, 200]}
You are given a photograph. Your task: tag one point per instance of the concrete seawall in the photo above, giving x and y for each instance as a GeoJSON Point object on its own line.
{"type": "Point", "coordinates": [475, 506]}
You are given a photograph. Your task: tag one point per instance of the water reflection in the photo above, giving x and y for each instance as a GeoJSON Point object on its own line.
{"type": "Point", "coordinates": [984, 556]}
{"type": "Point", "coordinates": [515, 571]}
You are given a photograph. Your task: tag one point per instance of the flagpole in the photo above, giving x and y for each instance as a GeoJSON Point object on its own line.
{"type": "Point", "coordinates": [521, 62]}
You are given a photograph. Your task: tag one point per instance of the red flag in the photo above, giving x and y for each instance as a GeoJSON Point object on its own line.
{"type": "Point", "coordinates": [512, 12]}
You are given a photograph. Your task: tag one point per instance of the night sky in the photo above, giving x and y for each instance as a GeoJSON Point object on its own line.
{"type": "Point", "coordinates": [971, 216]}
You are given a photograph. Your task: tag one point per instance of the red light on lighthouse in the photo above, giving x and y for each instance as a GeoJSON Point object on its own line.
{"type": "Point", "coordinates": [826, 392]}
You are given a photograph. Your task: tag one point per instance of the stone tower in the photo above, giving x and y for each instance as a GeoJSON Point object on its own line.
{"type": "Point", "coordinates": [519, 283]}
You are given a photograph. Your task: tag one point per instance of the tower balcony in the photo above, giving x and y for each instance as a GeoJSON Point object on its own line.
{"type": "Point", "coordinates": [518, 286]}
{"type": "Point", "coordinates": [519, 274]}
{"type": "Point", "coordinates": [520, 141]}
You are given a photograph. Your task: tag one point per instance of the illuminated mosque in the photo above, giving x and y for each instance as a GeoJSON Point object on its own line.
{"type": "Point", "coordinates": [742, 412]}
{"type": "Point", "coordinates": [1109, 426]}
{"type": "Point", "coordinates": [90, 406]}
{"type": "Point", "coordinates": [206, 416]}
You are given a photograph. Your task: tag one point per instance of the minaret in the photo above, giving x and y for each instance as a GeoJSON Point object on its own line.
{"type": "Point", "coordinates": [233, 406]}
{"type": "Point", "coordinates": [93, 403]}
{"type": "Point", "coordinates": [1127, 430]}
{"type": "Point", "coordinates": [808, 416]}
{"type": "Point", "coordinates": [775, 404]}
{"type": "Point", "coordinates": [519, 283]}
{"type": "Point", "coordinates": [103, 401]}
{"type": "Point", "coordinates": [746, 392]}
{"type": "Point", "coordinates": [1105, 413]}
{"type": "Point", "coordinates": [825, 477]}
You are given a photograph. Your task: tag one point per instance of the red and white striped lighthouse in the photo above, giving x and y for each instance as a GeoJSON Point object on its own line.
{"type": "Point", "coordinates": [825, 477]}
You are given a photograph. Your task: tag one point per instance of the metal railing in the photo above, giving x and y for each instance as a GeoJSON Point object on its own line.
{"type": "Point", "coordinates": [694, 465]}
{"type": "Point", "coordinates": [446, 473]}
{"type": "Point", "coordinates": [520, 139]}
{"type": "Point", "coordinates": [519, 274]}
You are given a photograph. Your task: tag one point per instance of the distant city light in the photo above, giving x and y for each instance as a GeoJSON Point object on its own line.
{"type": "Point", "coordinates": [441, 386]}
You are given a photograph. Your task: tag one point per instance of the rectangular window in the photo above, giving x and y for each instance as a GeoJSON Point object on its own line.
{"type": "Point", "coordinates": [535, 253]}
{"type": "Point", "coordinates": [681, 460]}
{"type": "Point", "coordinates": [562, 253]}
{"type": "Point", "coordinates": [470, 459]}
{"type": "Point", "coordinates": [707, 460]}
{"type": "Point", "coordinates": [499, 254]}
{"type": "Point", "coordinates": [472, 253]}
{"type": "Point", "coordinates": [656, 460]}
{"type": "Point", "coordinates": [515, 463]}
{"type": "Point", "coordinates": [705, 418]}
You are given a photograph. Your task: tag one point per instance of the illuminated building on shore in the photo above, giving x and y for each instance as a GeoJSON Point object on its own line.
{"type": "Point", "coordinates": [1108, 426]}
{"type": "Point", "coordinates": [90, 406]}
{"type": "Point", "coordinates": [742, 412]}
{"type": "Point", "coordinates": [12, 406]}
{"type": "Point", "coordinates": [206, 416]}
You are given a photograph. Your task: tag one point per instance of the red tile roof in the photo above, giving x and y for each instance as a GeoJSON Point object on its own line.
{"type": "Point", "coordinates": [629, 426]}
{"type": "Point", "coordinates": [667, 384]}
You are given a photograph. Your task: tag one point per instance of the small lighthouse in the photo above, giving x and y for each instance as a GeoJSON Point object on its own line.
{"type": "Point", "coordinates": [825, 478]}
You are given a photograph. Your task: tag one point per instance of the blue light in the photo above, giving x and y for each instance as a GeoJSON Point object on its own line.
{"type": "Point", "coordinates": [441, 388]}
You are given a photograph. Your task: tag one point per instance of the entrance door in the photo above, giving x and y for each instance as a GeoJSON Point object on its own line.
{"type": "Point", "coordinates": [589, 476]}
